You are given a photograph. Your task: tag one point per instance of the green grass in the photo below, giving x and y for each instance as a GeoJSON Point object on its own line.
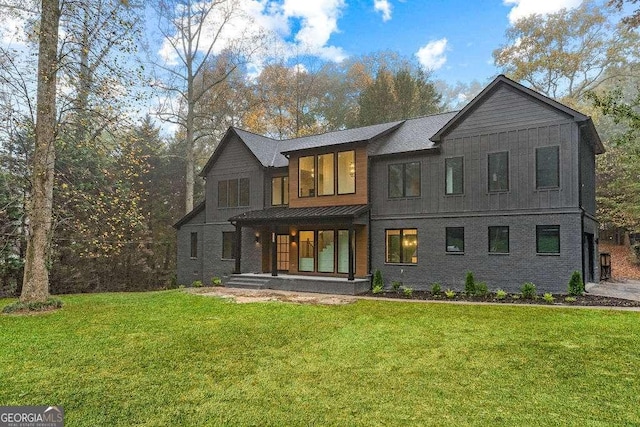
{"type": "Point", "coordinates": [172, 358]}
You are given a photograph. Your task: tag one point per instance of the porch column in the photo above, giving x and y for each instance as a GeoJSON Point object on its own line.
{"type": "Point", "coordinates": [274, 253]}
{"type": "Point", "coordinates": [238, 250]}
{"type": "Point", "coordinates": [351, 251]}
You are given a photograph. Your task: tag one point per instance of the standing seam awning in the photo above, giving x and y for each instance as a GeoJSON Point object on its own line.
{"type": "Point", "coordinates": [282, 215]}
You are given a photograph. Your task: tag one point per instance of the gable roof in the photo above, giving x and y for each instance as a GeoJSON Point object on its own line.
{"type": "Point", "coordinates": [538, 97]}
{"type": "Point", "coordinates": [188, 217]}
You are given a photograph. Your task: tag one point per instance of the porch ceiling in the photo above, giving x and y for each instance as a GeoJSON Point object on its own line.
{"type": "Point", "coordinates": [285, 215]}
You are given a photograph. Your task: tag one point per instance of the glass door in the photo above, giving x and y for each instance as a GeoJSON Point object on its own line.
{"type": "Point", "coordinates": [282, 242]}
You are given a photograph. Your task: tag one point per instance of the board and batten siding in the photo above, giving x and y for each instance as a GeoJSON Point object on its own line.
{"type": "Point", "coordinates": [234, 161]}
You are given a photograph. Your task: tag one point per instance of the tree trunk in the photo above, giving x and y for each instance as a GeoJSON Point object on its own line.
{"type": "Point", "coordinates": [36, 275]}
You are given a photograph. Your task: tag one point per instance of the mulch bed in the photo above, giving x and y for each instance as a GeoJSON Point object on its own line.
{"type": "Point", "coordinates": [559, 299]}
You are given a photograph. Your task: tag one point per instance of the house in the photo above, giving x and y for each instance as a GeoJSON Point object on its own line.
{"type": "Point", "coordinates": [504, 188]}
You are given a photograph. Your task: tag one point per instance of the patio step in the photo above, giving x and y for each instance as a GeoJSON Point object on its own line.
{"type": "Point", "coordinates": [247, 282]}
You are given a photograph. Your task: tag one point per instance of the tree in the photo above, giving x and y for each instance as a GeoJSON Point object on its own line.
{"type": "Point", "coordinates": [633, 20]}
{"type": "Point", "coordinates": [35, 287]}
{"type": "Point", "coordinates": [566, 54]}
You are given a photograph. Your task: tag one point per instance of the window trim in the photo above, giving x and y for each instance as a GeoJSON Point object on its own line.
{"type": "Point", "coordinates": [334, 170]}
{"type": "Point", "coordinates": [404, 180]}
{"type": "Point", "coordinates": [548, 187]}
{"type": "Point", "coordinates": [233, 245]}
{"type": "Point", "coordinates": [538, 228]}
{"type": "Point", "coordinates": [336, 174]}
{"type": "Point", "coordinates": [284, 189]}
{"type": "Point", "coordinates": [355, 173]}
{"type": "Point", "coordinates": [315, 192]}
{"type": "Point", "coordinates": [336, 251]}
{"type": "Point", "coordinates": [501, 190]}
{"type": "Point", "coordinates": [489, 240]}
{"type": "Point", "coordinates": [446, 240]}
{"type": "Point", "coordinates": [386, 247]}
{"type": "Point", "coordinates": [445, 176]}
{"type": "Point", "coordinates": [194, 245]}
{"type": "Point", "coordinates": [226, 184]}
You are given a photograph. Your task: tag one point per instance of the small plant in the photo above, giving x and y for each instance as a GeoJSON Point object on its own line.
{"type": "Point", "coordinates": [436, 289]}
{"type": "Point", "coordinates": [215, 281]}
{"type": "Point", "coordinates": [500, 294]}
{"type": "Point", "coordinates": [377, 279]}
{"type": "Point", "coordinates": [469, 284]}
{"type": "Point", "coordinates": [181, 286]}
{"type": "Point", "coordinates": [378, 289]}
{"type": "Point", "coordinates": [570, 299]}
{"type": "Point", "coordinates": [548, 297]}
{"type": "Point", "coordinates": [450, 294]}
{"type": "Point", "coordinates": [196, 284]}
{"type": "Point", "coordinates": [49, 304]}
{"type": "Point", "coordinates": [407, 291]}
{"type": "Point", "coordinates": [528, 290]}
{"type": "Point", "coordinates": [395, 285]}
{"type": "Point", "coordinates": [515, 296]}
{"type": "Point", "coordinates": [576, 286]}
{"type": "Point", "coordinates": [481, 289]}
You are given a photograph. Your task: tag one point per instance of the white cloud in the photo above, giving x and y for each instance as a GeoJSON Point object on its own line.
{"type": "Point", "coordinates": [12, 31]}
{"type": "Point", "coordinates": [523, 8]}
{"type": "Point", "coordinates": [384, 7]}
{"type": "Point", "coordinates": [432, 55]}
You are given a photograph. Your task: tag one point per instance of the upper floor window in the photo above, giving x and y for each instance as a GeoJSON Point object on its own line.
{"type": "Point", "coordinates": [404, 180]}
{"type": "Point", "coordinates": [194, 245]}
{"type": "Point", "coordinates": [548, 239]}
{"type": "Point", "coordinates": [499, 240]}
{"type": "Point", "coordinates": [498, 171]}
{"type": "Point", "coordinates": [233, 193]}
{"type": "Point", "coordinates": [401, 246]}
{"type": "Point", "coordinates": [454, 172]}
{"type": "Point", "coordinates": [317, 174]}
{"type": "Point", "coordinates": [279, 190]}
{"type": "Point", "coordinates": [548, 167]}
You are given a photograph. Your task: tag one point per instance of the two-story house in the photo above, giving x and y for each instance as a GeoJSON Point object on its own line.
{"type": "Point", "coordinates": [504, 188]}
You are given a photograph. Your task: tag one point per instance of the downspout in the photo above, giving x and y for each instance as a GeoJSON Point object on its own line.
{"type": "Point", "coordinates": [369, 246]}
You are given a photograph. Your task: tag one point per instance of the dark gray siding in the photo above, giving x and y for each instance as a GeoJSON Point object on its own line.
{"type": "Point", "coordinates": [189, 269]}
{"type": "Point", "coordinates": [588, 181]}
{"type": "Point", "coordinates": [508, 272]}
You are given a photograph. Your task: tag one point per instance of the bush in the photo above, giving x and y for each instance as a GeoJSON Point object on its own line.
{"type": "Point", "coordinates": [548, 297]}
{"type": "Point", "coordinates": [576, 286]}
{"type": "Point", "coordinates": [570, 299]}
{"type": "Point", "coordinates": [528, 290]}
{"type": "Point", "coordinates": [469, 284]}
{"type": "Point", "coordinates": [215, 281]}
{"type": "Point", "coordinates": [377, 279]}
{"type": "Point", "coordinates": [196, 284]}
{"type": "Point", "coordinates": [515, 296]}
{"type": "Point", "coordinates": [436, 289]}
{"type": "Point", "coordinates": [407, 291]}
{"type": "Point", "coordinates": [450, 294]}
{"type": "Point", "coordinates": [500, 294]}
{"type": "Point", "coordinates": [396, 285]}
{"type": "Point", "coordinates": [49, 304]}
{"type": "Point", "coordinates": [481, 289]}
{"type": "Point", "coordinates": [378, 289]}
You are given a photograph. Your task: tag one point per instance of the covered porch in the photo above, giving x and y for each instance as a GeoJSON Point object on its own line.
{"type": "Point", "coordinates": [321, 242]}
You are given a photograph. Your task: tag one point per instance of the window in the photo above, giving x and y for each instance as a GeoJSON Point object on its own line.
{"type": "Point", "coordinates": [306, 251]}
{"type": "Point", "coordinates": [499, 171]}
{"type": "Point", "coordinates": [343, 251]}
{"type": "Point", "coordinates": [280, 190]}
{"type": "Point", "coordinates": [499, 240]}
{"type": "Point", "coordinates": [326, 183]}
{"type": "Point", "coordinates": [454, 173]}
{"type": "Point", "coordinates": [346, 172]}
{"type": "Point", "coordinates": [402, 246]}
{"type": "Point", "coordinates": [233, 193]}
{"type": "Point", "coordinates": [228, 244]}
{"type": "Point", "coordinates": [306, 177]}
{"type": "Point", "coordinates": [326, 251]}
{"type": "Point", "coordinates": [194, 245]}
{"type": "Point", "coordinates": [548, 239]}
{"type": "Point", "coordinates": [548, 167]}
{"type": "Point", "coordinates": [404, 180]}
{"type": "Point", "coordinates": [455, 239]}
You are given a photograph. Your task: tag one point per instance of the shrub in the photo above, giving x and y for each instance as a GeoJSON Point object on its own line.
{"type": "Point", "coordinates": [215, 281]}
{"type": "Point", "coordinates": [576, 287]}
{"type": "Point", "coordinates": [570, 299]}
{"type": "Point", "coordinates": [528, 290]}
{"type": "Point", "coordinates": [377, 279]}
{"type": "Point", "coordinates": [396, 285]}
{"type": "Point", "coordinates": [173, 282]}
{"type": "Point", "coordinates": [196, 284]}
{"type": "Point", "coordinates": [450, 294]}
{"type": "Point", "coordinates": [436, 289]}
{"type": "Point", "coordinates": [548, 297]}
{"type": "Point", "coordinates": [481, 289]}
{"type": "Point", "coordinates": [407, 291]}
{"type": "Point", "coordinates": [515, 296]}
{"type": "Point", "coordinates": [49, 304]}
{"type": "Point", "coordinates": [378, 289]}
{"type": "Point", "coordinates": [469, 284]}
{"type": "Point", "coordinates": [500, 294]}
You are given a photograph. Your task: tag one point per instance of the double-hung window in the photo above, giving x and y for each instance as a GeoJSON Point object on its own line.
{"type": "Point", "coordinates": [454, 175]}
{"type": "Point", "coordinates": [498, 167]}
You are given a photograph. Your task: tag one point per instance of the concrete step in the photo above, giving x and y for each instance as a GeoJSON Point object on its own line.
{"type": "Point", "coordinates": [245, 285]}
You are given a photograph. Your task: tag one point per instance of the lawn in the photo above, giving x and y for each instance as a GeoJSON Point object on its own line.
{"type": "Point", "coordinates": [173, 358]}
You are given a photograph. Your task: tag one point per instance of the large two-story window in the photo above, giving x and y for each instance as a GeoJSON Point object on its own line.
{"type": "Point", "coordinates": [548, 239]}
{"type": "Point", "coordinates": [404, 180]}
{"type": "Point", "coordinates": [454, 173]}
{"type": "Point", "coordinates": [327, 174]}
{"type": "Point", "coordinates": [548, 167]}
{"type": "Point", "coordinates": [498, 167]}
{"type": "Point", "coordinates": [279, 190]}
{"type": "Point", "coordinates": [499, 240]}
{"type": "Point", "coordinates": [233, 193]}
{"type": "Point", "coordinates": [228, 244]}
{"type": "Point", "coordinates": [401, 246]}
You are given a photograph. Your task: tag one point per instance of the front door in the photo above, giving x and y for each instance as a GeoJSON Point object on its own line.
{"type": "Point", "coordinates": [282, 242]}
